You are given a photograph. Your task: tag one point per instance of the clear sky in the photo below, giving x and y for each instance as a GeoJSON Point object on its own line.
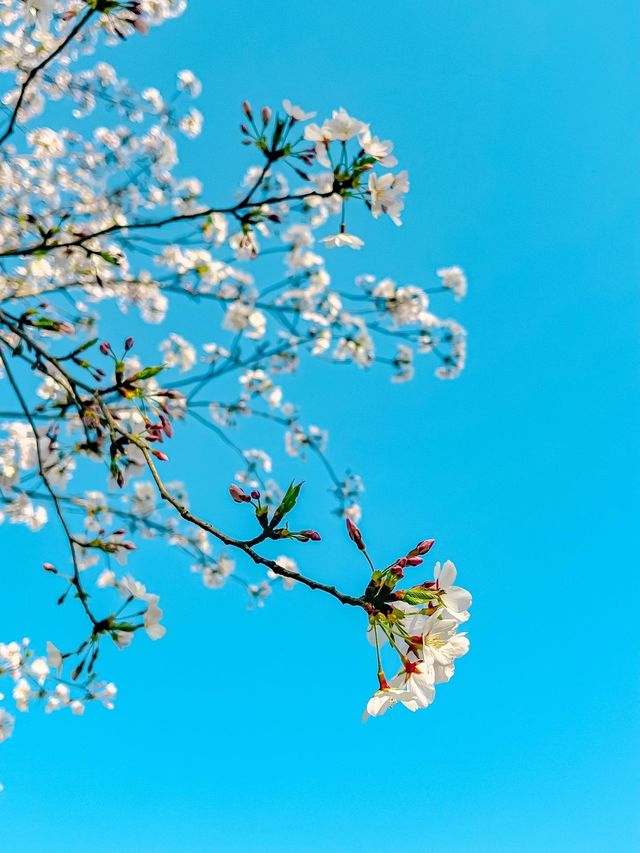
{"type": "Point", "coordinates": [519, 123]}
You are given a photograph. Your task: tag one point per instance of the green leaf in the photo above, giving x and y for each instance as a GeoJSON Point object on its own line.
{"type": "Point", "coordinates": [287, 503]}
{"type": "Point", "coordinates": [146, 373]}
{"type": "Point", "coordinates": [418, 595]}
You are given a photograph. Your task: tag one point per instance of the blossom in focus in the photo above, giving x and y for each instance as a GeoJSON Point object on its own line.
{"type": "Point", "coordinates": [455, 599]}
{"type": "Point", "coordinates": [442, 645]}
{"type": "Point", "coordinates": [420, 624]}
{"type": "Point", "coordinates": [386, 698]}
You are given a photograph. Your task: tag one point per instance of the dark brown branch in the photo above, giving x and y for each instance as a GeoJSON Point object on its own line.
{"type": "Point", "coordinates": [218, 534]}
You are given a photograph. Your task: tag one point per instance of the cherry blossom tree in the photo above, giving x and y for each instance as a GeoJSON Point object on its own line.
{"type": "Point", "coordinates": [96, 212]}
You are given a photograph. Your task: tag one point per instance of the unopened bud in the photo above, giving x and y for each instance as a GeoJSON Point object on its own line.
{"type": "Point", "coordinates": [49, 567]}
{"type": "Point", "coordinates": [160, 455]}
{"type": "Point", "coordinates": [238, 494]}
{"type": "Point", "coordinates": [128, 344]}
{"type": "Point", "coordinates": [255, 494]}
{"type": "Point", "coordinates": [266, 114]}
{"type": "Point", "coordinates": [246, 109]}
{"type": "Point", "coordinates": [414, 561]}
{"type": "Point", "coordinates": [313, 535]}
{"type": "Point", "coordinates": [355, 535]}
{"type": "Point", "coordinates": [105, 348]}
{"type": "Point", "coordinates": [423, 547]}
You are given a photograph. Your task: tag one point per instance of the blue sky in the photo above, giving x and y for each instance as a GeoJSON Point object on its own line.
{"type": "Point", "coordinates": [519, 124]}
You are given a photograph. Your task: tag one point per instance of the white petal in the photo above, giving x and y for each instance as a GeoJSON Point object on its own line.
{"type": "Point", "coordinates": [447, 575]}
{"type": "Point", "coordinates": [456, 599]}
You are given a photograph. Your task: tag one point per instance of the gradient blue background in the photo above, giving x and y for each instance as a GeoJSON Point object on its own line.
{"type": "Point", "coordinates": [520, 124]}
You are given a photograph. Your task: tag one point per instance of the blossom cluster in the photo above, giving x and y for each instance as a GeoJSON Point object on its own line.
{"type": "Point", "coordinates": [420, 624]}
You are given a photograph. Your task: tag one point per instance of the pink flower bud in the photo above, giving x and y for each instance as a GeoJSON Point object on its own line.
{"type": "Point", "coordinates": [414, 561]}
{"type": "Point", "coordinates": [424, 547]}
{"type": "Point", "coordinates": [105, 348]}
{"type": "Point", "coordinates": [49, 567]}
{"type": "Point", "coordinates": [266, 114]}
{"type": "Point", "coordinates": [128, 344]}
{"type": "Point", "coordinates": [355, 535]}
{"type": "Point", "coordinates": [397, 571]}
{"type": "Point", "coordinates": [160, 455]}
{"type": "Point", "coordinates": [246, 109]}
{"type": "Point", "coordinates": [255, 494]}
{"type": "Point", "coordinates": [238, 494]}
{"type": "Point", "coordinates": [313, 535]}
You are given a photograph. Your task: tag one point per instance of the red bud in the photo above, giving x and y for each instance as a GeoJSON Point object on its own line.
{"type": "Point", "coordinates": [424, 547]}
{"type": "Point", "coordinates": [313, 535]}
{"type": "Point", "coordinates": [238, 494]}
{"type": "Point", "coordinates": [355, 535]}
